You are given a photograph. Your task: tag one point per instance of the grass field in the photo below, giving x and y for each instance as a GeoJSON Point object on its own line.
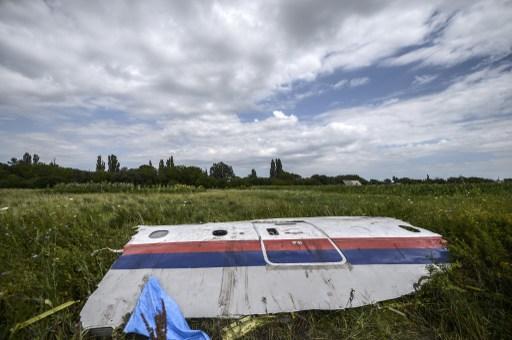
{"type": "Point", "coordinates": [48, 237]}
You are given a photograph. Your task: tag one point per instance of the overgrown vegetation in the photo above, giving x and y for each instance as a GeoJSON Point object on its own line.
{"type": "Point", "coordinates": [49, 238]}
{"type": "Point", "coordinates": [30, 172]}
{"type": "Point", "coordinates": [91, 187]}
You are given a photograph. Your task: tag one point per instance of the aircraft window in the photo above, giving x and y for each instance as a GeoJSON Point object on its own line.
{"type": "Point", "coordinates": [409, 228]}
{"type": "Point", "coordinates": [219, 232]}
{"type": "Point", "coordinates": [158, 233]}
{"type": "Point", "coordinates": [272, 231]}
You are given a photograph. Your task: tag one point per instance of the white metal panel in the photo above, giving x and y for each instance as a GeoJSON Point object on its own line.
{"type": "Point", "coordinates": [196, 232]}
{"type": "Point", "coordinates": [237, 291]}
{"type": "Point", "coordinates": [366, 227]}
{"type": "Point", "coordinates": [243, 290]}
{"type": "Point", "coordinates": [287, 230]}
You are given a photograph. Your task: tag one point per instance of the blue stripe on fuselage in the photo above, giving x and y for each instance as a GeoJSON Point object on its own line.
{"type": "Point", "coordinates": [396, 256]}
{"type": "Point", "coordinates": [255, 258]}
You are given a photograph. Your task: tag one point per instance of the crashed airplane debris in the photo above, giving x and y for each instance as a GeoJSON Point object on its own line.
{"type": "Point", "coordinates": [267, 266]}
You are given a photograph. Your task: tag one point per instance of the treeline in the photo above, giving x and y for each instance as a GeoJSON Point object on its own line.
{"type": "Point", "coordinates": [30, 172]}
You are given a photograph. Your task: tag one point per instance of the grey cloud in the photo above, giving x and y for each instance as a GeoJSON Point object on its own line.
{"type": "Point", "coordinates": [173, 57]}
{"type": "Point", "coordinates": [366, 139]}
{"type": "Point", "coordinates": [310, 21]}
{"type": "Point", "coordinates": [181, 72]}
{"type": "Point", "coordinates": [482, 29]}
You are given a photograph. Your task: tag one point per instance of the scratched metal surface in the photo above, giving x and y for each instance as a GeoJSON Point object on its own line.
{"type": "Point", "coordinates": [242, 290]}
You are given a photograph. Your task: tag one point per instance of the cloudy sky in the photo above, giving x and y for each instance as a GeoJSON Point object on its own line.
{"type": "Point", "coordinates": [378, 88]}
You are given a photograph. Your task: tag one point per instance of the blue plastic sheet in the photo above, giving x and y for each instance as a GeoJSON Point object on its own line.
{"type": "Point", "coordinates": [150, 304]}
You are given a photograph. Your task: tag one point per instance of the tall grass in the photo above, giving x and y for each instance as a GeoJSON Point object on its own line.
{"type": "Point", "coordinates": [91, 187]}
{"type": "Point", "coordinates": [48, 238]}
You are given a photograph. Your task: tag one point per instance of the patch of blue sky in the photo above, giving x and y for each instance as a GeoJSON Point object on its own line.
{"type": "Point", "coordinates": [17, 124]}
{"type": "Point", "coordinates": [335, 90]}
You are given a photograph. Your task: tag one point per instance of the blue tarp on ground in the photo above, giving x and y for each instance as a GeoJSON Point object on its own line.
{"type": "Point", "coordinates": [150, 304]}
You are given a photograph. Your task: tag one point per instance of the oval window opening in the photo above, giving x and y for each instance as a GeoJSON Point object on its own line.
{"type": "Point", "coordinates": [272, 231]}
{"type": "Point", "coordinates": [219, 232]}
{"type": "Point", "coordinates": [409, 228]}
{"type": "Point", "coordinates": [158, 233]}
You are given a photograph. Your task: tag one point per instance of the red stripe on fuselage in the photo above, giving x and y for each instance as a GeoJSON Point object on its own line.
{"type": "Point", "coordinates": [192, 247]}
{"type": "Point", "coordinates": [390, 242]}
{"type": "Point", "coordinates": [285, 245]}
{"type": "Point", "coordinates": [298, 244]}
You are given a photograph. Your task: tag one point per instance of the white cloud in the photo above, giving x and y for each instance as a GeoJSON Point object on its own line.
{"type": "Point", "coordinates": [166, 58]}
{"type": "Point", "coordinates": [482, 29]}
{"type": "Point", "coordinates": [179, 73]}
{"type": "Point", "coordinates": [359, 81]}
{"type": "Point", "coordinates": [354, 82]}
{"type": "Point", "coordinates": [381, 140]}
{"type": "Point", "coordinates": [340, 83]}
{"type": "Point", "coordinates": [424, 79]}
{"type": "Point", "coordinates": [472, 116]}
{"type": "Point", "coordinates": [282, 117]}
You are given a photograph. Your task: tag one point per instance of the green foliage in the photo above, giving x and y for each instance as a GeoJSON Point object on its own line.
{"type": "Point", "coordinates": [113, 164]}
{"type": "Point", "coordinates": [221, 171]}
{"type": "Point", "coordinates": [30, 173]}
{"type": "Point", "coordinates": [27, 158]}
{"type": "Point", "coordinates": [100, 165]}
{"type": "Point", "coordinates": [280, 177]}
{"type": "Point", "coordinates": [78, 188]}
{"type": "Point", "coordinates": [169, 163]}
{"type": "Point", "coordinates": [279, 168]}
{"type": "Point", "coordinates": [49, 236]}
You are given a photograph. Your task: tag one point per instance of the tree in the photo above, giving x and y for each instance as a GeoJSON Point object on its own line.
{"type": "Point", "coordinates": [169, 163]}
{"type": "Point", "coordinates": [279, 167]}
{"type": "Point", "coordinates": [272, 169]}
{"type": "Point", "coordinates": [13, 161]}
{"type": "Point", "coordinates": [150, 164]}
{"type": "Point", "coordinates": [27, 158]}
{"type": "Point", "coordinates": [100, 164]}
{"type": "Point", "coordinates": [253, 174]}
{"type": "Point", "coordinates": [35, 159]}
{"type": "Point", "coordinates": [161, 167]}
{"type": "Point", "coordinates": [221, 171]}
{"type": "Point", "coordinates": [146, 175]}
{"type": "Point", "coordinates": [113, 163]}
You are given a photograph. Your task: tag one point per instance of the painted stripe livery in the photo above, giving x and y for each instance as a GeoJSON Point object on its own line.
{"type": "Point", "coordinates": [290, 244]}
{"type": "Point", "coordinates": [358, 251]}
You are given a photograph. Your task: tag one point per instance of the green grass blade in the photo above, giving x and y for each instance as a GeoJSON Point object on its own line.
{"type": "Point", "coordinates": [41, 316]}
